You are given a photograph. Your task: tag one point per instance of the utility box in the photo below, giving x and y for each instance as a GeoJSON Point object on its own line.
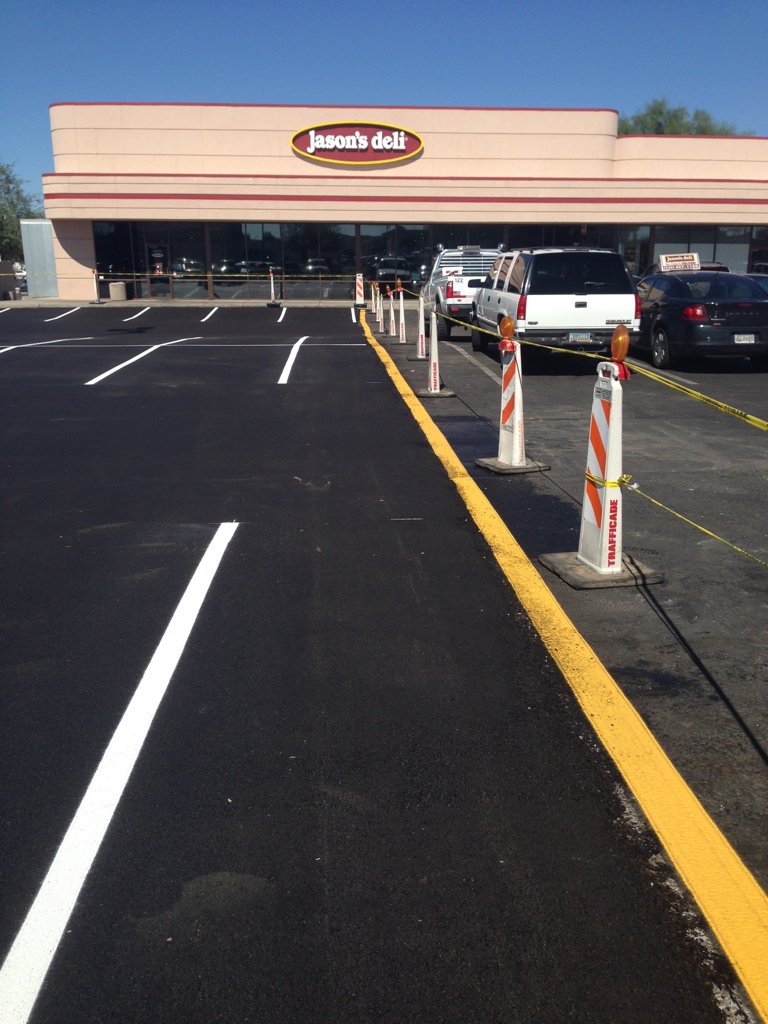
{"type": "Point", "coordinates": [37, 239]}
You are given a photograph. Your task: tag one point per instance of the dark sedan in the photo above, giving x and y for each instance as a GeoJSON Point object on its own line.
{"type": "Point", "coordinates": [700, 313]}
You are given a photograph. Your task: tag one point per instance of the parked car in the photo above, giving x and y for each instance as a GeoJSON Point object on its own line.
{"type": "Point", "coordinates": [760, 278]}
{"type": "Point", "coordinates": [313, 266]}
{"type": "Point", "coordinates": [452, 282]}
{"type": "Point", "coordinates": [697, 313]}
{"type": "Point", "coordinates": [223, 267]}
{"type": "Point", "coordinates": [184, 265]}
{"type": "Point", "coordinates": [569, 298]}
{"type": "Point", "coordinates": [389, 269]}
{"type": "Point", "coordinates": [703, 265]}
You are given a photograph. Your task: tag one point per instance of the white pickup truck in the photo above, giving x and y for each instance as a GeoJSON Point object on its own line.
{"type": "Point", "coordinates": [450, 288]}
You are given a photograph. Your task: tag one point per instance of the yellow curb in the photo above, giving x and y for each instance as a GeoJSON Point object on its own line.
{"type": "Point", "coordinates": [730, 899]}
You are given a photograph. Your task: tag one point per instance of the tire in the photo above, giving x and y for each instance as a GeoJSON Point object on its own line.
{"type": "Point", "coordinates": [660, 351]}
{"type": "Point", "coordinates": [479, 341]}
{"type": "Point", "coordinates": [443, 327]}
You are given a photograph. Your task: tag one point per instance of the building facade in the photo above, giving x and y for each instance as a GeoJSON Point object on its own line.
{"type": "Point", "coordinates": [226, 201]}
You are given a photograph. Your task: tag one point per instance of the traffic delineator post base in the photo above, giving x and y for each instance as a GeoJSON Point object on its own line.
{"type": "Point", "coordinates": [504, 469]}
{"type": "Point", "coordinates": [569, 567]}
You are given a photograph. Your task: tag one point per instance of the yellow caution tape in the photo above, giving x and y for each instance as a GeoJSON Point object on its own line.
{"type": "Point", "coordinates": [625, 482]}
{"type": "Point", "coordinates": [603, 483]}
{"type": "Point", "coordinates": [753, 421]}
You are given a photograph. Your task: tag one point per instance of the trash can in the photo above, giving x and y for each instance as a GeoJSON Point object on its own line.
{"type": "Point", "coordinates": [117, 290]}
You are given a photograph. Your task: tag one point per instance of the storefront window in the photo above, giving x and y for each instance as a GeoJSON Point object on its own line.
{"type": "Point", "coordinates": [632, 244]}
{"type": "Point", "coordinates": [702, 240]}
{"type": "Point", "coordinates": [732, 248]}
{"type": "Point", "coordinates": [319, 260]}
{"type": "Point", "coordinates": [669, 238]}
{"type": "Point", "coordinates": [758, 260]}
{"type": "Point", "coordinates": [526, 236]}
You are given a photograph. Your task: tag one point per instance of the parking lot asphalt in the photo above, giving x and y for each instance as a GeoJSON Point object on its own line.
{"type": "Point", "coordinates": [368, 794]}
{"type": "Point", "coordinates": [692, 653]}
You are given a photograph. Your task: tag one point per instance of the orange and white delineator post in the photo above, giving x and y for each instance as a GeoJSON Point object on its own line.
{"type": "Point", "coordinates": [600, 535]}
{"type": "Point", "coordinates": [374, 294]}
{"type": "Point", "coordinates": [600, 538]}
{"type": "Point", "coordinates": [96, 286]}
{"type": "Point", "coordinates": [401, 321]}
{"type": "Point", "coordinates": [600, 560]}
{"type": "Point", "coordinates": [511, 457]}
{"type": "Point", "coordinates": [421, 341]}
{"type": "Point", "coordinates": [380, 312]}
{"type": "Point", "coordinates": [359, 292]}
{"type": "Point", "coordinates": [433, 386]}
{"type": "Point", "coordinates": [392, 324]}
{"type": "Point", "coordinates": [272, 300]}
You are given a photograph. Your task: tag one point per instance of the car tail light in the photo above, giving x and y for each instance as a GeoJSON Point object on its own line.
{"type": "Point", "coordinates": [449, 290]}
{"type": "Point", "coordinates": [698, 314]}
{"type": "Point", "coordinates": [638, 308]}
{"type": "Point", "coordinates": [522, 302]}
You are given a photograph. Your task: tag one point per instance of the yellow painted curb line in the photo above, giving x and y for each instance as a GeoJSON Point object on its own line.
{"type": "Point", "coordinates": [734, 905]}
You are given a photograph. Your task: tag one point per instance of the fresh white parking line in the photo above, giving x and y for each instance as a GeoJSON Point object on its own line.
{"type": "Point", "coordinates": [141, 355]}
{"type": "Point", "coordinates": [280, 318]}
{"type": "Point", "coordinates": [7, 308]}
{"type": "Point", "coordinates": [352, 311]}
{"type": "Point", "coordinates": [146, 308]}
{"type": "Point", "coordinates": [27, 963]}
{"type": "Point", "coordinates": [209, 315]}
{"type": "Point", "coordinates": [291, 360]}
{"type": "Point", "coordinates": [35, 344]}
{"type": "Point", "coordinates": [52, 318]}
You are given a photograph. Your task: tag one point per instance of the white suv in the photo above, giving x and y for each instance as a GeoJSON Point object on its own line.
{"type": "Point", "coordinates": [455, 277]}
{"type": "Point", "coordinates": [569, 298]}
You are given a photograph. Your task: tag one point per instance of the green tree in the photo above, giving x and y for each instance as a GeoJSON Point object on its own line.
{"type": "Point", "coordinates": [15, 203]}
{"type": "Point", "coordinates": [659, 118]}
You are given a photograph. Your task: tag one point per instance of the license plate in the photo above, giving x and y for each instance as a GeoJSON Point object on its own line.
{"type": "Point", "coordinates": [744, 339]}
{"type": "Point", "coordinates": [579, 336]}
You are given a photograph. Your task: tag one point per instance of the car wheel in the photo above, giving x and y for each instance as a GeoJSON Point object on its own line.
{"type": "Point", "coordinates": [660, 354]}
{"type": "Point", "coordinates": [479, 341]}
{"type": "Point", "coordinates": [443, 327]}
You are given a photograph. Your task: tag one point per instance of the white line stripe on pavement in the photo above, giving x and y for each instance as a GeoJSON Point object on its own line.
{"type": "Point", "coordinates": [146, 308]}
{"type": "Point", "coordinates": [51, 318]}
{"type": "Point", "coordinates": [280, 318]}
{"type": "Point", "coordinates": [141, 355]}
{"type": "Point", "coordinates": [208, 317]}
{"type": "Point", "coordinates": [35, 344]}
{"type": "Point", "coordinates": [291, 360]}
{"type": "Point", "coordinates": [27, 963]}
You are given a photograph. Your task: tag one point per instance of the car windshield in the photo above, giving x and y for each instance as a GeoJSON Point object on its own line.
{"type": "Point", "coordinates": [711, 287]}
{"type": "Point", "coordinates": [578, 273]}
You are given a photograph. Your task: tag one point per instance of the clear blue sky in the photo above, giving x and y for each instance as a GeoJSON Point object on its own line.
{"type": "Point", "coordinates": [521, 53]}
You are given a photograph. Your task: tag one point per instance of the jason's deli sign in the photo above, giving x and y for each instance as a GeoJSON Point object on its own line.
{"type": "Point", "coordinates": [357, 143]}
